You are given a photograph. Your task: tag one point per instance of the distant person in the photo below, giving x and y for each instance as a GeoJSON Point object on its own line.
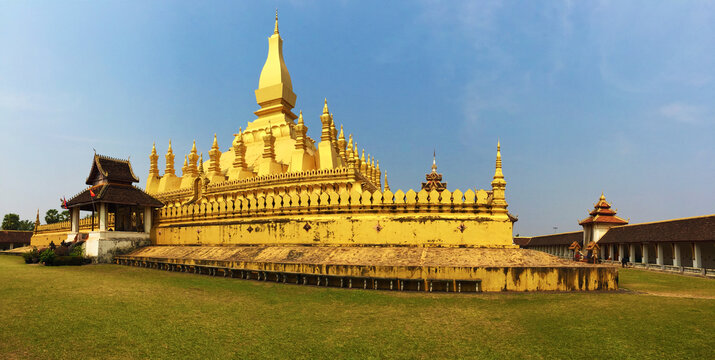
{"type": "Point", "coordinates": [624, 261]}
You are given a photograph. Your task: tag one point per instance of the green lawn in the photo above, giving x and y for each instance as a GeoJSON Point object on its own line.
{"type": "Point", "coordinates": [111, 311]}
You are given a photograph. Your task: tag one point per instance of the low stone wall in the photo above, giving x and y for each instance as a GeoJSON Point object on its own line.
{"type": "Point", "coordinates": [518, 271]}
{"type": "Point", "coordinates": [102, 246]}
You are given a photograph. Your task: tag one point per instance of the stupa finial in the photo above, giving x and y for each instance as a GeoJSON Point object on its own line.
{"type": "Point", "coordinates": [275, 30]}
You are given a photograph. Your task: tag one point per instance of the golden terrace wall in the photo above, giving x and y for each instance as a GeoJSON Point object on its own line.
{"type": "Point", "coordinates": [57, 232]}
{"type": "Point", "coordinates": [332, 218]}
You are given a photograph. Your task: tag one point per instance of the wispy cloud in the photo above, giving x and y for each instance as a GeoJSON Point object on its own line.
{"type": "Point", "coordinates": [684, 113]}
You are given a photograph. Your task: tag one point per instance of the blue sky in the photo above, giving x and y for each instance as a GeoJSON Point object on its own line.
{"type": "Point", "coordinates": [584, 96]}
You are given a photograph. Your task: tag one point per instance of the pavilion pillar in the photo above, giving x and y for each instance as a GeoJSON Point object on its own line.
{"type": "Point", "coordinates": [676, 255]}
{"type": "Point", "coordinates": [632, 253]}
{"type": "Point", "coordinates": [620, 252]}
{"type": "Point", "coordinates": [147, 219]}
{"type": "Point", "coordinates": [102, 216]}
{"type": "Point", "coordinates": [602, 252]}
{"type": "Point", "coordinates": [644, 258]}
{"type": "Point", "coordinates": [661, 253]}
{"type": "Point", "coordinates": [697, 256]}
{"type": "Point", "coordinates": [74, 216]}
{"type": "Point", "coordinates": [611, 253]}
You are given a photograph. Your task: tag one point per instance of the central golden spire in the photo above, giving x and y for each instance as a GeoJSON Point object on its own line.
{"type": "Point", "coordinates": [275, 93]}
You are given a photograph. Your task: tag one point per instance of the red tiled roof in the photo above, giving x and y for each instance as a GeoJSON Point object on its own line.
{"type": "Point", "coordinates": [111, 169]}
{"type": "Point", "coordinates": [701, 228]}
{"type": "Point", "coordinates": [14, 236]}
{"type": "Point", "coordinates": [115, 194]}
{"type": "Point", "coordinates": [556, 239]}
{"type": "Point", "coordinates": [602, 214]}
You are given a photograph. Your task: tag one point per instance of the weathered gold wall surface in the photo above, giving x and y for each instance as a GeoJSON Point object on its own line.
{"type": "Point", "coordinates": [332, 218]}
{"type": "Point", "coordinates": [497, 269]}
{"type": "Point", "coordinates": [57, 232]}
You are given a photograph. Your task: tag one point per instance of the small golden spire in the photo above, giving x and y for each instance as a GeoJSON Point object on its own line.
{"type": "Point", "coordinates": [325, 107]}
{"type": "Point", "coordinates": [193, 148]}
{"type": "Point", "coordinates": [300, 117]}
{"type": "Point", "coordinates": [215, 144]}
{"type": "Point", "coordinates": [342, 135]}
{"type": "Point", "coordinates": [201, 164]}
{"type": "Point", "coordinates": [170, 151]}
{"type": "Point", "coordinates": [602, 197]}
{"type": "Point", "coordinates": [153, 148]}
{"type": "Point", "coordinates": [275, 30]}
{"type": "Point", "coordinates": [387, 186]}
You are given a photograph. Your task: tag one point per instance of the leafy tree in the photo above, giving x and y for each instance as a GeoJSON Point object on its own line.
{"type": "Point", "coordinates": [11, 222]}
{"type": "Point", "coordinates": [26, 225]}
{"type": "Point", "coordinates": [53, 216]}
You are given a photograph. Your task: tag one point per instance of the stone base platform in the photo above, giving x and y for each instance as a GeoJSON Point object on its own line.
{"type": "Point", "coordinates": [397, 268]}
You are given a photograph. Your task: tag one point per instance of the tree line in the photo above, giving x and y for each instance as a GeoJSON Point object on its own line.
{"type": "Point", "coordinates": [12, 221]}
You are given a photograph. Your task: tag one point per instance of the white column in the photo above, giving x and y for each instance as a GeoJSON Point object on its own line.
{"type": "Point", "coordinates": [12, 246]}
{"type": "Point", "coordinates": [676, 254]}
{"type": "Point", "coordinates": [632, 253]}
{"type": "Point", "coordinates": [659, 249]}
{"type": "Point", "coordinates": [147, 219]}
{"type": "Point", "coordinates": [102, 216]}
{"type": "Point", "coordinates": [644, 259]}
{"type": "Point", "coordinates": [603, 253]}
{"type": "Point", "coordinates": [620, 252]}
{"type": "Point", "coordinates": [697, 256]}
{"type": "Point", "coordinates": [75, 219]}
{"type": "Point", "coordinates": [611, 252]}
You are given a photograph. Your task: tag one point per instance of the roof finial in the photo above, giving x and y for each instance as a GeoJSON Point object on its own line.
{"type": "Point", "coordinates": [602, 197]}
{"type": "Point", "coordinates": [325, 107]}
{"type": "Point", "coordinates": [275, 30]}
{"type": "Point", "coordinates": [434, 160]}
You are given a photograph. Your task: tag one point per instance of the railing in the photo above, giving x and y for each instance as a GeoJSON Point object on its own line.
{"type": "Point", "coordinates": [256, 203]}
{"type": "Point", "coordinates": [84, 224]}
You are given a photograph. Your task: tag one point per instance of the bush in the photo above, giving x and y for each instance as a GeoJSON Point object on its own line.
{"type": "Point", "coordinates": [68, 260]}
{"type": "Point", "coordinates": [47, 257]}
{"type": "Point", "coordinates": [77, 251]}
{"type": "Point", "coordinates": [32, 256]}
{"type": "Point", "coordinates": [62, 251]}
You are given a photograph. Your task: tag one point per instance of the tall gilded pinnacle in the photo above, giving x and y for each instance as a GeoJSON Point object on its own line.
{"type": "Point", "coordinates": [350, 154]}
{"type": "Point", "coordinates": [185, 168]}
{"type": "Point", "coordinates": [193, 158]}
{"type": "Point", "coordinates": [363, 164]}
{"type": "Point", "coordinates": [341, 148]}
{"type": "Point", "coordinates": [275, 89]}
{"type": "Point", "coordinates": [300, 131]}
{"type": "Point", "coordinates": [378, 173]}
{"type": "Point", "coordinates": [327, 154]}
{"type": "Point", "coordinates": [153, 162]}
{"type": "Point", "coordinates": [275, 30]}
{"type": "Point", "coordinates": [239, 169]}
{"type": "Point", "coordinates": [201, 165]}
{"type": "Point", "coordinates": [37, 221]}
{"type": "Point", "coordinates": [326, 131]}
{"type": "Point", "coordinates": [498, 175]}
{"type": "Point", "coordinates": [169, 161]}
{"type": "Point", "coordinates": [498, 186]}
{"type": "Point", "coordinates": [268, 164]}
{"type": "Point", "coordinates": [268, 145]}
{"type": "Point", "coordinates": [239, 150]}
{"type": "Point", "coordinates": [387, 185]}
{"type": "Point", "coordinates": [214, 158]}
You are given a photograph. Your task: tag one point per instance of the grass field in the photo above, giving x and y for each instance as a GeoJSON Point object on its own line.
{"type": "Point", "coordinates": [111, 311]}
